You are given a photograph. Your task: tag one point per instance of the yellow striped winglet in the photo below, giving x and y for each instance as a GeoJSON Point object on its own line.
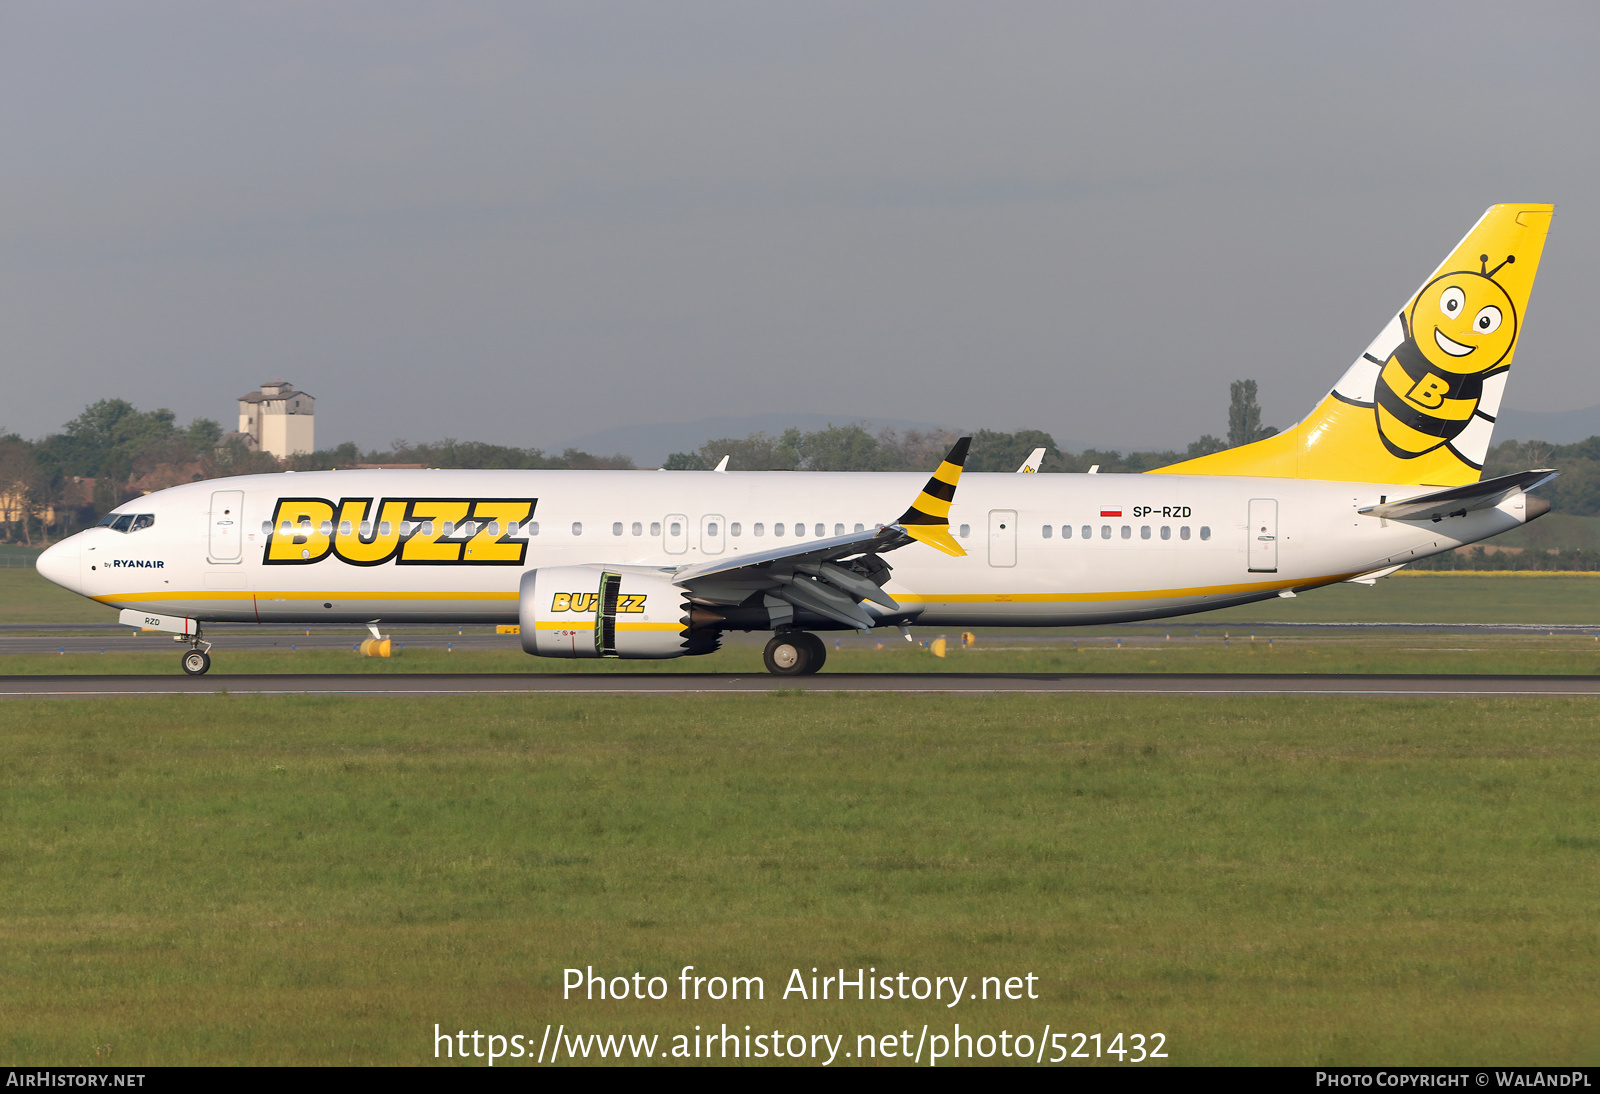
{"type": "Point", "coordinates": [928, 519]}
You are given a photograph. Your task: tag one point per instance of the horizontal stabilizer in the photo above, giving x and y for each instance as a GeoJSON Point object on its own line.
{"type": "Point", "coordinates": [1461, 500]}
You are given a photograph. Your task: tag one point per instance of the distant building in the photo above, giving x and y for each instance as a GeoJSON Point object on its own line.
{"type": "Point", "coordinates": [278, 419]}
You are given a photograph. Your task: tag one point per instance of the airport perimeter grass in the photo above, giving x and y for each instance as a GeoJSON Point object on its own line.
{"type": "Point", "coordinates": [1308, 881]}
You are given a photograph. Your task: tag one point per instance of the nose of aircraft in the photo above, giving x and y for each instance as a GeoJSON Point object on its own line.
{"type": "Point", "coordinates": [60, 564]}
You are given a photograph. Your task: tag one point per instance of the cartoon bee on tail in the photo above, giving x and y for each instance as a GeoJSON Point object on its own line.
{"type": "Point", "coordinates": [1458, 331]}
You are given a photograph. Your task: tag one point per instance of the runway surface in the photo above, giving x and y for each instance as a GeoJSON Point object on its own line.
{"type": "Point", "coordinates": [73, 639]}
{"type": "Point", "coordinates": [682, 683]}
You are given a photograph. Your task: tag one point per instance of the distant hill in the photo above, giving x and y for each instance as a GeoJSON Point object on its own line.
{"type": "Point", "coordinates": [651, 444]}
{"type": "Point", "coordinates": [1555, 426]}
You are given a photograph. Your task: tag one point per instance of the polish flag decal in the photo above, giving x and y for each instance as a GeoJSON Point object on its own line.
{"type": "Point", "coordinates": [1111, 512]}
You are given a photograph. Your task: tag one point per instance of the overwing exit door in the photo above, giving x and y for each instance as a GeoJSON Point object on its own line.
{"type": "Point", "coordinates": [1263, 536]}
{"type": "Point", "coordinates": [675, 539]}
{"type": "Point", "coordinates": [227, 525]}
{"type": "Point", "coordinates": [1002, 537]}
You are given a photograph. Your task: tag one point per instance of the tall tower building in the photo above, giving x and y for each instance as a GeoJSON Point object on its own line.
{"type": "Point", "coordinates": [279, 419]}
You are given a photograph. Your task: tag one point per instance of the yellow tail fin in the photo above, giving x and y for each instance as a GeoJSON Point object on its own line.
{"type": "Point", "coordinates": [1419, 405]}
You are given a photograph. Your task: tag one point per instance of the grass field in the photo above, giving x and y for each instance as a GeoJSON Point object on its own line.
{"type": "Point", "coordinates": [25, 597]}
{"type": "Point", "coordinates": [248, 880]}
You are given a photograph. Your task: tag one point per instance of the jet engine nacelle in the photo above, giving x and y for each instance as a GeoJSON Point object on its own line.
{"type": "Point", "coordinates": [600, 611]}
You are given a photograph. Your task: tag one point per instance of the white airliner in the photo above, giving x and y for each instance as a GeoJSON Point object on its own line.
{"type": "Point", "coordinates": [634, 564]}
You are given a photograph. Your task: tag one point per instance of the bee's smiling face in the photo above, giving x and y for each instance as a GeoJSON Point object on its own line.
{"type": "Point", "coordinates": [1463, 323]}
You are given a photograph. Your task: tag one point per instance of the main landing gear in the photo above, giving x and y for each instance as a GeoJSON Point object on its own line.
{"type": "Point", "coordinates": [197, 661]}
{"type": "Point", "coordinates": [794, 653]}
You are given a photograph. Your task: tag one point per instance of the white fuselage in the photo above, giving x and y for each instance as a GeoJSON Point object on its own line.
{"type": "Point", "coordinates": [1177, 544]}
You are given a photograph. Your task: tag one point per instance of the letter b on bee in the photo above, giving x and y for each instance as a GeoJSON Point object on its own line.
{"type": "Point", "coordinates": [1429, 392]}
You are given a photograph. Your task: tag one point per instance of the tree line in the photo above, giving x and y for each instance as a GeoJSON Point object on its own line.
{"type": "Point", "coordinates": [114, 452]}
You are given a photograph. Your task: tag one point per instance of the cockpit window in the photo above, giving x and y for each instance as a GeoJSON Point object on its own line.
{"type": "Point", "coordinates": [127, 522]}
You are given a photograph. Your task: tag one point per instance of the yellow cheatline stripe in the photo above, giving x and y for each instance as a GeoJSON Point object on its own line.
{"type": "Point", "coordinates": [1145, 594]}
{"type": "Point", "coordinates": [267, 597]}
{"type": "Point", "coordinates": [588, 625]}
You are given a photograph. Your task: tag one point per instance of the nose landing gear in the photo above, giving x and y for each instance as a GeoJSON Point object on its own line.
{"type": "Point", "coordinates": [794, 653]}
{"type": "Point", "coordinates": [197, 661]}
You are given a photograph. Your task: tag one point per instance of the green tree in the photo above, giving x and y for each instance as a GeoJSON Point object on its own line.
{"type": "Point", "coordinates": [996, 451]}
{"type": "Point", "coordinates": [1244, 415]}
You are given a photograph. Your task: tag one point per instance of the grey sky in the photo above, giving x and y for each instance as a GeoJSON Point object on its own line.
{"type": "Point", "coordinates": [525, 222]}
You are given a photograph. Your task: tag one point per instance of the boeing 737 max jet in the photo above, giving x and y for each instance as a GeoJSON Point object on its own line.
{"type": "Point", "coordinates": [1384, 471]}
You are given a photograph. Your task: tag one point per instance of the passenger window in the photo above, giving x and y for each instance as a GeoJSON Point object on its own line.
{"type": "Point", "coordinates": [1105, 531]}
{"type": "Point", "coordinates": [1047, 531]}
{"type": "Point", "coordinates": [1166, 531]}
{"type": "Point", "coordinates": [144, 520]}
{"type": "Point", "coordinates": [266, 527]}
{"type": "Point", "coordinates": [638, 529]}
{"type": "Point", "coordinates": [1205, 532]}
{"type": "Point", "coordinates": [966, 530]}
{"type": "Point", "coordinates": [838, 529]}
{"type": "Point", "coordinates": [383, 527]}
{"type": "Point", "coordinates": [711, 530]}
{"type": "Point", "coordinates": [1127, 531]}
{"type": "Point", "coordinates": [577, 528]}
{"type": "Point", "coordinates": [533, 528]}
{"type": "Point", "coordinates": [511, 530]}
{"type": "Point", "coordinates": [733, 529]}
{"type": "Point", "coordinates": [676, 529]}
{"type": "Point", "coordinates": [758, 528]}
{"type": "Point", "coordinates": [449, 528]}
{"type": "Point", "coordinates": [861, 528]}
{"type": "Point", "coordinates": [1183, 533]}
{"type": "Point", "coordinates": [1088, 532]}
{"type": "Point", "coordinates": [616, 527]}
{"type": "Point", "coordinates": [1066, 531]}
{"type": "Point", "coordinates": [655, 528]}
{"type": "Point", "coordinates": [777, 529]}
{"type": "Point", "coordinates": [494, 528]}
{"type": "Point", "coordinates": [286, 529]}
{"type": "Point", "coordinates": [822, 530]}
{"type": "Point", "coordinates": [122, 523]}
{"type": "Point", "coordinates": [344, 527]}
{"type": "Point", "coordinates": [1144, 531]}
{"type": "Point", "coordinates": [305, 526]}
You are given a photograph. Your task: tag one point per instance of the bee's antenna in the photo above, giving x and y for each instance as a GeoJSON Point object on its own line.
{"type": "Point", "coordinates": [1509, 260]}
{"type": "Point", "coordinates": [1484, 268]}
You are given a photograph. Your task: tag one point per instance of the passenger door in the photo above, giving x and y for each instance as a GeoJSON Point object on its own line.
{"type": "Point", "coordinates": [1263, 536]}
{"type": "Point", "coordinates": [1002, 537]}
{"type": "Point", "coordinates": [675, 533]}
{"type": "Point", "coordinates": [227, 526]}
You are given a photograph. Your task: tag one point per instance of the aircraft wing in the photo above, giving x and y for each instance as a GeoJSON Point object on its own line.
{"type": "Point", "coordinates": [1461, 500]}
{"type": "Point", "coordinates": [833, 576]}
